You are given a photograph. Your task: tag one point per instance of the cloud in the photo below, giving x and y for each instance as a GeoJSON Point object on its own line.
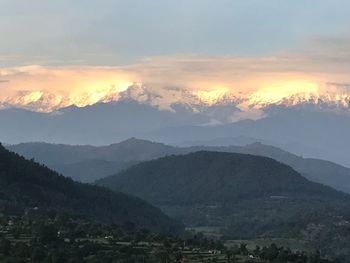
{"type": "Point", "coordinates": [124, 31]}
{"type": "Point", "coordinates": [325, 61]}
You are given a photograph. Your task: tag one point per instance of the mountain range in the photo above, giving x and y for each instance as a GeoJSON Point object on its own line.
{"type": "Point", "coordinates": [90, 163]}
{"type": "Point", "coordinates": [168, 97]}
{"type": "Point", "coordinates": [312, 125]}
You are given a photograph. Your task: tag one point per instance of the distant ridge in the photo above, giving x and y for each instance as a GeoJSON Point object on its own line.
{"type": "Point", "coordinates": [108, 160]}
{"type": "Point", "coordinates": [305, 126]}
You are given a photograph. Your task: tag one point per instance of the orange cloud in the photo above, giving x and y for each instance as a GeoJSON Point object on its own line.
{"type": "Point", "coordinates": [318, 70]}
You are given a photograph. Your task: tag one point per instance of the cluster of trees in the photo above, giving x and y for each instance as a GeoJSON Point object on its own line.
{"type": "Point", "coordinates": [56, 237]}
{"type": "Point", "coordinates": [272, 253]}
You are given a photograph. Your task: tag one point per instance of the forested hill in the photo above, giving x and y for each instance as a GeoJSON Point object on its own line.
{"type": "Point", "coordinates": [207, 177]}
{"type": "Point", "coordinates": [245, 196]}
{"type": "Point", "coordinates": [25, 184]}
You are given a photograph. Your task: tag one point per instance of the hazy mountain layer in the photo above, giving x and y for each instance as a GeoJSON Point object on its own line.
{"type": "Point", "coordinates": [89, 163]}
{"type": "Point", "coordinates": [309, 130]}
{"type": "Point", "coordinates": [302, 129]}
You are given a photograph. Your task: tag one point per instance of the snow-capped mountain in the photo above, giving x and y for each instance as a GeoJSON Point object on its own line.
{"type": "Point", "coordinates": [219, 106]}
{"type": "Point", "coordinates": [165, 98]}
{"type": "Point", "coordinates": [325, 100]}
{"type": "Point", "coordinates": [36, 101]}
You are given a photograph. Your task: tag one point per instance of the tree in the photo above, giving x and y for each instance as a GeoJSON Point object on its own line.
{"type": "Point", "coordinates": [243, 249]}
{"type": "Point", "coordinates": [5, 246]}
{"type": "Point", "coordinates": [47, 234]}
{"type": "Point", "coordinates": [230, 256]}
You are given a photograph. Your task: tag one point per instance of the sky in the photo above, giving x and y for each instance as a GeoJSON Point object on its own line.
{"type": "Point", "coordinates": [79, 46]}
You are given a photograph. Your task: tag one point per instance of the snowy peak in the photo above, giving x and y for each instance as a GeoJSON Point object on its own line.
{"type": "Point", "coordinates": [325, 100]}
{"type": "Point", "coordinates": [220, 105]}
{"type": "Point", "coordinates": [36, 101]}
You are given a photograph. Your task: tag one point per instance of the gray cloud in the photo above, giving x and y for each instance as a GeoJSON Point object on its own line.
{"type": "Point", "coordinates": [115, 32]}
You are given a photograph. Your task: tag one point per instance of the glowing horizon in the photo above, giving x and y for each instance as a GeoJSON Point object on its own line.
{"type": "Point", "coordinates": [262, 79]}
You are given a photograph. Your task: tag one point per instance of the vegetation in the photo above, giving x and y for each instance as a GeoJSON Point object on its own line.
{"type": "Point", "coordinates": [26, 184]}
{"type": "Point", "coordinates": [45, 217]}
{"type": "Point", "coordinates": [246, 196]}
{"type": "Point", "coordinates": [46, 236]}
{"type": "Point", "coordinates": [214, 177]}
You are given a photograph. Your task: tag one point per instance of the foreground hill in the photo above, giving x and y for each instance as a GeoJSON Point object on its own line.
{"type": "Point", "coordinates": [89, 163]}
{"type": "Point", "coordinates": [210, 177]}
{"type": "Point", "coordinates": [244, 195]}
{"type": "Point", "coordinates": [25, 184]}
{"type": "Point", "coordinates": [316, 170]}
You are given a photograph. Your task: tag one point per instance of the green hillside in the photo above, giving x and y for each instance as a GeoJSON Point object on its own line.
{"type": "Point", "coordinates": [244, 196]}
{"type": "Point", "coordinates": [25, 184]}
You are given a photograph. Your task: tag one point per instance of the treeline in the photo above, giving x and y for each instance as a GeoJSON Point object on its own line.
{"type": "Point", "coordinates": [63, 238]}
